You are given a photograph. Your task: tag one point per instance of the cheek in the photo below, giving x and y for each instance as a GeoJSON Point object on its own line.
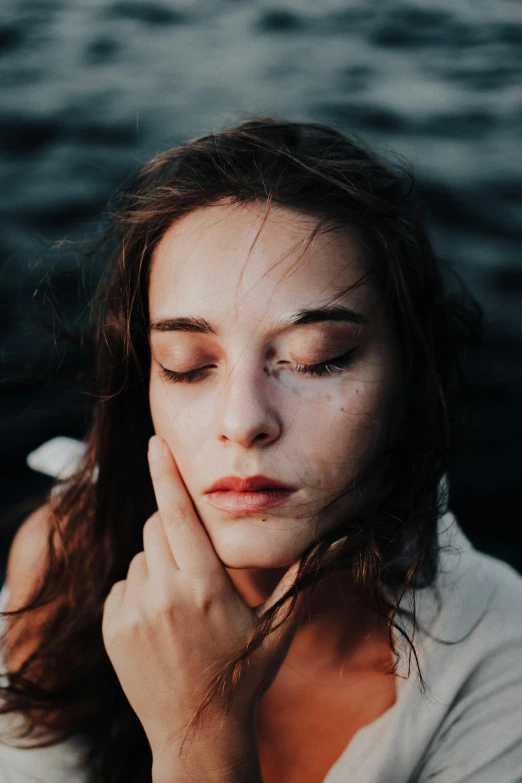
{"type": "Point", "coordinates": [350, 423]}
{"type": "Point", "coordinates": [158, 402]}
{"type": "Point", "coordinates": [366, 416]}
{"type": "Point", "coordinates": [178, 427]}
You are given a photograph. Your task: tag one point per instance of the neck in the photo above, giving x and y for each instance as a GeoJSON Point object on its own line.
{"type": "Point", "coordinates": [338, 624]}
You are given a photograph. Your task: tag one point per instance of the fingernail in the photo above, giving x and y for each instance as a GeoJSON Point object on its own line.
{"type": "Point", "coordinates": [156, 448]}
{"type": "Point", "coordinates": [337, 545]}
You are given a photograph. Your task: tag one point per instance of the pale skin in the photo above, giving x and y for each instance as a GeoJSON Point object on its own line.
{"type": "Point", "coordinates": [250, 411]}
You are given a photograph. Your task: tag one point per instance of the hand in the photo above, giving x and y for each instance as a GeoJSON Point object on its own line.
{"type": "Point", "coordinates": [175, 618]}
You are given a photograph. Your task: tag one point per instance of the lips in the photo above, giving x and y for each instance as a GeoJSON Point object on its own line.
{"type": "Point", "coordinates": [250, 484]}
{"type": "Point", "coordinates": [239, 504]}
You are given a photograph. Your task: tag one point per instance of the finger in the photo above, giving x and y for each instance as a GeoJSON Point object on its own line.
{"type": "Point", "coordinates": [282, 588]}
{"type": "Point", "coordinates": [335, 548]}
{"type": "Point", "coordinates": [277, 643]}
{"type": "Point", "coordinates": [158, 554]}
{"type": "Point", "coordinates": [112, 605]}
{"type": "Point", "coordinates": [290, 577]}
{"type": "Point", "coordinates": [137, 576]}
{"type": "Point", "coordinates": [188, 540]}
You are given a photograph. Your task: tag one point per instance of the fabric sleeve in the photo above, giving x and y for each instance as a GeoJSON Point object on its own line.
{"type": "Point", "coordinates": [480, 740]}
{"type": "Point", "coordinates": [58, 457]}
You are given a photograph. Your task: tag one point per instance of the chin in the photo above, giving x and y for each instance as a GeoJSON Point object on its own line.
{"type": "Point", "coordinates": [259, 543]}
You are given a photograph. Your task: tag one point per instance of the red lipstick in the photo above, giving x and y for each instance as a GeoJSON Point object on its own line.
{"type": "Point", "coordinates": [249, 484]}
{"type": "Point", "coordinates": [239, 496]}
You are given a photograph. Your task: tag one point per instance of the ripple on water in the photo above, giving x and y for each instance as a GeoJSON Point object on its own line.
{"type": "Point", "coordinates": [149, 13]}
{"type": "Point", "coordinates": [101, 50]}
{"type": "Point", "coordinates": [12, 37]}
{"type": "Point", "coordinates": [279, 20]}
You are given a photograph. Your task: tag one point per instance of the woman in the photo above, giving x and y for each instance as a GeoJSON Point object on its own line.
{"type": "Point", "coordinates": [278, 592]}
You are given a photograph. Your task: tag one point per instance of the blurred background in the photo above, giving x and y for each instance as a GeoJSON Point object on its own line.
{"type": "Point", "coordinates": [94, 88]}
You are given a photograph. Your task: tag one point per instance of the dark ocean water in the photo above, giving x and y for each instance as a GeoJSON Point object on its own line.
{"type": "Point", "coordinates": [93, 89]}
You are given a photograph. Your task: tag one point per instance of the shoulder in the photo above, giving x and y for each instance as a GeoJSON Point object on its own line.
{"type": "Point", "coordinates": [501, 587]}
{"type": "Point", "coordinates": [494, 648]}
{"type": "Point", "coordinates": [475, 674]}
{"type": "Point", "coordinates": [478, 683]}
{"type": "Point", "coordinates": [26, 559]}
{"type": "Point", "coordinates": [507, 595]}
{"type": "Point", "coordinates": [25, 572]}
{"type": "Point", "coordinates": [470, 624]}
{"type": "Point", "coordinates": [474, 593]}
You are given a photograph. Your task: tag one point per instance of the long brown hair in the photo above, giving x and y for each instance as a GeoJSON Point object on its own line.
{"type": "Point", "coordinates": [68, 686]}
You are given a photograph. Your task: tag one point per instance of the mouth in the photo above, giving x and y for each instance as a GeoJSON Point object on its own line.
{"type": "Point", "coordinates": [247, 502]}
{"type": "Point", "coordinates": [258, 483]}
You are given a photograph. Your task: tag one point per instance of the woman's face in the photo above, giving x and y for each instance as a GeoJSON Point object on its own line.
{"type": "Point", "coordinates": [250, 410]}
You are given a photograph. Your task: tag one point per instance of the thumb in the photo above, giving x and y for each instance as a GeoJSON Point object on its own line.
{"type": "Point", "coordinates": [281, 588]}
{"type": "Point", "coordinates": [278, 641]}
{"type": "Point", "coordinates": [290, 576]}
{"type": "Point", "coordinates": [283, 636]}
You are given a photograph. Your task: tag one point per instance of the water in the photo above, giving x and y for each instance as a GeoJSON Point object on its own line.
{"type": "Point", "coordinates": [93, 89]}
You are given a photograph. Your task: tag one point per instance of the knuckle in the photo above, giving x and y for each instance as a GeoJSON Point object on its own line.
{"type": "Point", "coordinates": [114, 594]}
{"type": "Point", "coordinates": [163, 605]}
{"type": "Point", "coordinates": [205, 604]}
{"type": "Point", "coordinates": [160, 599]}
{"type": "Point", "coordinates": [134, 620]}
{"type": "Point", "coordinates": [181, 517]}
{"type": "Point", "coordinates": [153, 522]}
{"type": "Point", "coordinates": [112, 599]}
{"type": "Point", "coordinates": [116, 588]}
{"type": "Point", "coordinates": [137, 563]}
{"type": "Point", "coordinates": [151, 528]}
{"type": "Point", "coordinates": [205, 597]}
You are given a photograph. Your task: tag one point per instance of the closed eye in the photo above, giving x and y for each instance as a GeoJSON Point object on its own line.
{"type": "Point", "coordinates": [329, 367]}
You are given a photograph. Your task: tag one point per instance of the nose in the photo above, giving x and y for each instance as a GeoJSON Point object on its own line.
{"type": "Point", "coordinates": [248, 414]}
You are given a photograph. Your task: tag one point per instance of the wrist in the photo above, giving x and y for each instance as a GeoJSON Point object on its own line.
{"type": "Point", "coordinates": [171, 771]}
{"type": "Point", "coordinates": [227, 756]}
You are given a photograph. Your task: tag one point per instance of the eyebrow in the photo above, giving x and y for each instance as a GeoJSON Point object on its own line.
{"type": "Point", "coordinates": [337, 313]}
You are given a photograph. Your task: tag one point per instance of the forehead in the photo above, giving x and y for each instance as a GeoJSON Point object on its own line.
{"type": "Point", "coordinates": [245, 260]}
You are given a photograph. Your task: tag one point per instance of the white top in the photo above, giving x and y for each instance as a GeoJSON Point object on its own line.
{"type": "Point", "coordinates": [466, 729]}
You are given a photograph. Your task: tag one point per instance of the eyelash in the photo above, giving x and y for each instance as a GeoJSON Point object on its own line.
{"type": "Point", "coordinates": [329, 367]}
